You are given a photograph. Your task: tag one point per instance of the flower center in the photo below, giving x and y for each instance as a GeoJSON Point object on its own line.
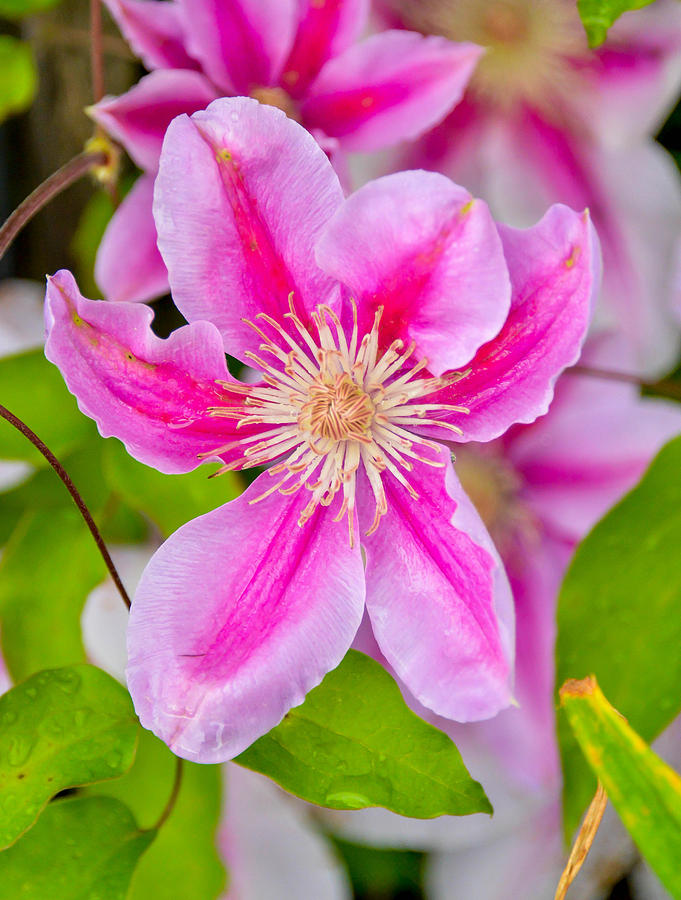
{"type": "Point", "coordinates": [328, 405]}
{"type": "Point", "coordinates": [495, 488]}
{"type": "Point", "coordinates": [338, 410]}
{"type": "Point", "coordinates": [531, 44]}
{"type": "Point", "coordinates": [276, 96]}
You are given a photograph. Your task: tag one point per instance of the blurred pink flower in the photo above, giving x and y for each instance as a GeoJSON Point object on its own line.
{"type": "Point", "coordinates": [546, 120]}
{"type": "Point", "coordinates": [300, 55]}
{"type": "Point", "coordinates": [428, 320]}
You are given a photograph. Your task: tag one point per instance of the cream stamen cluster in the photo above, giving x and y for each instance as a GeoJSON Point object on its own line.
{"type": "Point", "coordinates": [329, 406]}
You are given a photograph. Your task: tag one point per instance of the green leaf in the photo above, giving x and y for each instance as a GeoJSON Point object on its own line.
{"type": "Point", "coordinates": [60, 728]}
{"type": "Point", "coordinates": [183, 861]}
{"type": "Point", "coordinates": [354, 743]}
{"type": "Point", "coordinates": [643, 789]}
{"type": "Point", "coordinates": [618, 616]}
{"type": "Point", "coordinates": [18, 75]}
{"type": "Point", "coordinates": [48, 568]}
{"type": "Point", "coordinates": [44, 490]}
{"type": "Point", "coordinates": [83, 848]}
{"type": "Point", "coordinates": [598, 15]}
{"type": "Point", "coordinates": [168, 500]}
{"type": "Point", "coordinates": [34, 390]}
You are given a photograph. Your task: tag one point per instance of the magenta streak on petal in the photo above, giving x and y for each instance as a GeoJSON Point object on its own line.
{"type": "Point", "coordinates": [343, 112]}
{"type": "Point", "coordinates": [315, 40]}
{"type": "Point", "coordinates": [229, 644]}
{"type": "Point", "coordinates": [268, 273]}
{"type": "Point", "coordinates": [431, 592]}
{"type": "Point", "coordinates": [574, 182]}
{"type": "Point", "coordinates": [154, 32]}
{"type": "Point", "coordinates": [467, 580]}
{"type": "Point", "coordinates": [279, 607]}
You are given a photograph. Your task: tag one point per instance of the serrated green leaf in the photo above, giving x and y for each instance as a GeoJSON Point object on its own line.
{"type": "Point", "coordinates": [59, 729]}
{"type": "Point", "coordinates": [644, 790]}
{"type": "Point", "coordinates": [168, 500]}
{"type": "Point", "coordinates": [47, 570]}
{"type": "Point", "coordinates": [354, 743]}
{"type": "Point", "coordinates": [183, 862]}
{"type": "Point", "coordinates": [618, 616]}
{"type": "Point", "coordinates": [34, 390]}
{"type": "Point", "coordinates": [83, 848]}
{"type": "Point", "coordinates": [598, 15]}
{"type": "Point", "coordinates": [18, 74]}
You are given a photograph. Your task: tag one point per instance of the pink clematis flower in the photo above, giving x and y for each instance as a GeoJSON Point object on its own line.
{"type": "Point", "coordinates": [301, 55]}
{"type": "Point", "coordinates": [546, 120]}
{"type": "Point", "coordinates": [539, 488]}
{"type": "Point", "coordinates": [400, 314]}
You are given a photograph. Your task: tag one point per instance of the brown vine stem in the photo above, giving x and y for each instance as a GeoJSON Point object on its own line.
{"type": "Point", "coordinates": [75, 495]}
{"type": "Point", "coordinates": [96, 54]}
{"type": "Point", "coordinates": [56, 183]}
{"type": "Point", "coordinates": [170, 805]}
{"type": "Point", "coordinates": [583, 841]}
{"type": "Point", "coordinates": [664, 388]}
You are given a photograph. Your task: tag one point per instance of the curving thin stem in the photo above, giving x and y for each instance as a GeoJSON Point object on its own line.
{"type": "Point", "coordinates": [663, 388]}
{"type": "Point", "coordinates": [96, 54]}
{"type": "Point", "coordinates": [71, 488]}
{"type": "Point", "coordinates": [170, 805]}
{"type": "Point", "coordinates": [69, 173]}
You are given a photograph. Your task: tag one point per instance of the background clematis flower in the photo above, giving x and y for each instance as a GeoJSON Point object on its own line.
{"type": "Point", "coordinates": [300, 55]}
{"type": "Point", "coordinates": [378, 322]}
{"type": "Point", "coordinates": [547, 120]}
{"type": "Point", "coordinates": [539, 489]}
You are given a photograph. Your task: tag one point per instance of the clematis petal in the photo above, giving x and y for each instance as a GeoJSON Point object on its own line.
{"type": "Point", "coordinates": [554, 270]}
{"type": "Point", "coordinates": [633, 193]}
{"type": "Point", "coordinates": [390, 87]}
{"type": "Point", "coordinates": [438, 598]}
{"type": "Point", "coordinates": [241, 196]}
{"type": "Point", "coordinates": [241, 44]}
{"type": "Point", "coordinates": [139, 118]}
{"type": "Point", "coordinates": [154, 31]}
{"type": "Point", "coordinates": [128, 265]}
{"type": "Point", "coordinates": [594, 446]}
{"type": "Point", "coordinates": [152, 394]}
{"type": "Point", "coordinates": [278, 608]}
{"type": "Point", "coordinates": [324, 30]}
{"type": "Point", "coordinates": [524, 862]}
{"type": "Point", "coordinates": [421, 247]}
{"type": "Point", "coordinates": [632, 81]}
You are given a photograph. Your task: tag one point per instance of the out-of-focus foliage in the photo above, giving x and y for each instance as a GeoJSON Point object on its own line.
{"type": "Point", "coordinates": [60, 728]}
{"type": "Point", "coordinates": [33, 389]}
{"type": "Point", "coordinates": [382, 873]}
{"type": "Point", "coordinates": [168, 500]}
{"type": "Point", "coordinates": [644, 790]}
{"type": "Point", "coordinates": [598, 15]}
{"type": "Point", "coordinates": [18, 73]}
{"type": "Point", "coordinates": [183, 861]}
{"type": "Point", "coordinates": [354, 743]}
{"type": "Point", "coordinates": [48, 568]}
{"type": "Point", "coordinates": [618, 616]}
{"type": "Point", "coordinates": [81, 847]}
